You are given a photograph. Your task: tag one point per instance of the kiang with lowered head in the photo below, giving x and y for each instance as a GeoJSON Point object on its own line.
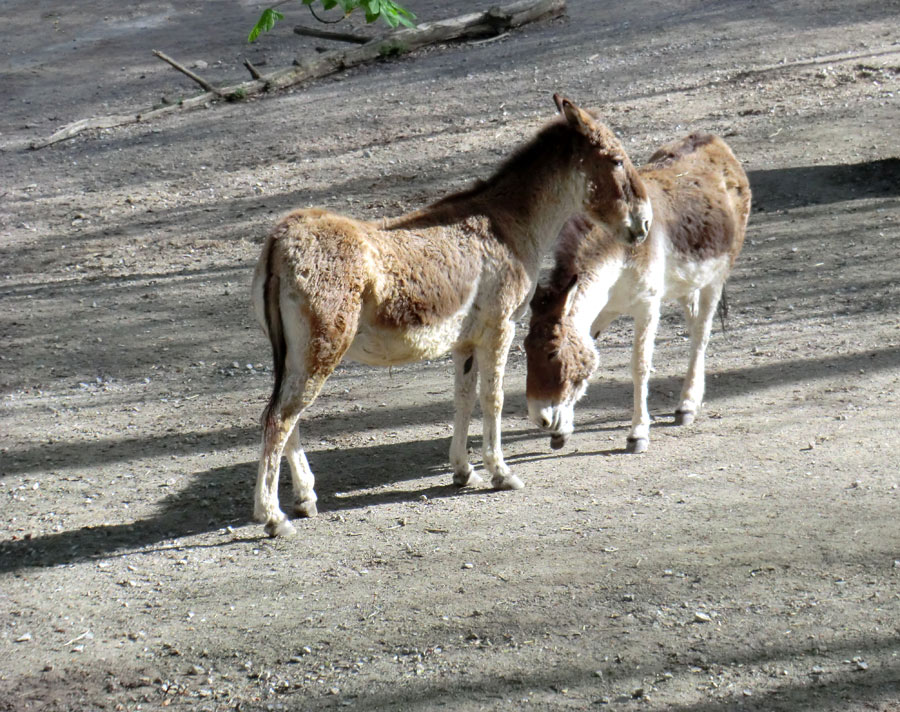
{"type": "Point", "coordinates": [452, 277]}
{"type": "Point", "coordinates": [700, 202]}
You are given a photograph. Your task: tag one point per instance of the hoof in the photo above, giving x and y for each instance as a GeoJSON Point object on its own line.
{"type": "Point", "coordinates": [508, 482]}
{"type": "Point", "coordinates": [684, 417]}
{"type": "Point", "coordinates": [466, 478]}
{"type": "Point", "coordinates": [282, 528]}
{"type": "Point", "coordinates": [307, 508]}
{"type": "Point", "coordinates": [557, 441]}
{"type": "Point", "coordinates": [635, 446]}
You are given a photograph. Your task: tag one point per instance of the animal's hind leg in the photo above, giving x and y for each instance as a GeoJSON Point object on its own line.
{"type": "Point", "coordinates": [276, 431]}
{"type": "Point", "coordinates": [280, 431]}
{"type": "Point", "coordinates": [465, 394]}
{"type": "Point", "coordinates": [301, 476]}
{"type": "Point", "coordinates": [700, 310]}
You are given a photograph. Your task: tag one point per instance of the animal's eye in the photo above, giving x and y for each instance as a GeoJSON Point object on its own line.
{"type": "Point", "coordinates": [618, 162]}
{"type": "Point", "coordinates": [552, 355]}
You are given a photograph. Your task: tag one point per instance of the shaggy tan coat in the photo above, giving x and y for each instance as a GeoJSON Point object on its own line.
{"type": "Point", "coordinates": [701, 202]}
{"type": "Point", "coordinates": [451, 277]}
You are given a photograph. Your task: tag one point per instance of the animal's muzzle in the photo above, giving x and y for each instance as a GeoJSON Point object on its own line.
{"type": "Point", "coordinates": [638, 231]}
{"type": "Point", "coordinates": [557, 440]}
{"type": "Point", "coordinates": [639, 222]}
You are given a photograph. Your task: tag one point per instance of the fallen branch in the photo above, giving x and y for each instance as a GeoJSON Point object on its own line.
{"type": "Point", "coordinates": [326, 35]}
{"type": "Point", "coordinates": [187, 72]}
{"type": "Point", "coordinates": [254, 72]}
{"type": "Point", "coordinates": [493, 22]}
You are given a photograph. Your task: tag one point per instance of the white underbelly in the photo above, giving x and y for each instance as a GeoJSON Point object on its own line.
{"type": "Point", "coordinates": [378, 346]}
{"type": "Point", "coordinates": [683, 277]}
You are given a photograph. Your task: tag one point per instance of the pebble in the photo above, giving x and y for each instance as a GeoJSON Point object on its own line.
{"type": "Point", "coordinates": [24, 638]}
{"type": "Point", "coordinates": [701, 617]}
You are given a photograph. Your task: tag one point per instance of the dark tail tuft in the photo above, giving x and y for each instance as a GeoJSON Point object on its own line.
{"type": "Point", "coordinates": [722, 310]}
{"type": "Point", "coordinates": [275, 328]}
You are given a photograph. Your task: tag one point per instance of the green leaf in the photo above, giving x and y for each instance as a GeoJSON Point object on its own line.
{"type": "Point", "coordinates": [266, 22]}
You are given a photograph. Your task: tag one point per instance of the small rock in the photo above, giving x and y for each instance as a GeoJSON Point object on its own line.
{"type": "Point", "coordinates": [24, 638]}
{"type": "Point", "coordinates": [199, 64]}
{"type": "Point", "coordinates": [196, 670]}
{"type": "Point", "coordinates": [862, 665]}
{"type": "Point", "coordinates": [628, 597]}
{"type": "Point", "coordinates": [468, 565]}
{"type": "Point", "coordinates": [817, 670]}
{"type": "Point", "coordinates": [701, 617]}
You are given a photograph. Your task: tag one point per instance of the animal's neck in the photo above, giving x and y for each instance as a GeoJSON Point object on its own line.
{"type": "Point", "coordinates": [595, 286]}
{"type": "Point", "coordinates": [532, 207]}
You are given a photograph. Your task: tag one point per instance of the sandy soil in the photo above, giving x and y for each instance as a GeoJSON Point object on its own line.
{"type": "Point", "coordinates": [749, 562]}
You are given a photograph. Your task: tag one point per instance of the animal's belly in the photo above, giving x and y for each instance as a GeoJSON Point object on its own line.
{"type": "Point", "coordinates": [381, 346]}
{"type": "Point", "coordinates": [682, 278]}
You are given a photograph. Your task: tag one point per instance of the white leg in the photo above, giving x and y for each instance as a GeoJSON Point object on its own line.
{"type": "Point", "coordinates": [601, 322]}
{"type": "Point", "coordinates": [491, 357]}
{"type": "Point", "coordinates": [700, 311]}
{"type": "Point", "coordinates": [279, 432]}
{"type": "Point", "coordinates": [645, 325]}
{"type": "Point", "coordinates": [301, 476]}
{"type": "Point", "coordinates": [464, 399]}
{"type": "Point", "coordinates": [266, 507]}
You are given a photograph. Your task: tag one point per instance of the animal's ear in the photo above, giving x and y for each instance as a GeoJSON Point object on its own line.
{"type": "Point", "coordinates": [578, 119]}
{"type": "Point", "coordinates": [570, 295]}
{"type": "Point", "coordinates": [558, 100]}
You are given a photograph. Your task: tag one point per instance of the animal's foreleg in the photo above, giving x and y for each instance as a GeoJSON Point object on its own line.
{"type": "Point", "coordinates": [464, 399]}
{"type": "Point", "coordinates": [301, 476]}
{"type": "Point", "coordinates": [641, 364]}
{"type": "Point", "coordinates": [491, 356]}
{"type": "Point", "coordinates": [601, 323]}
{"type": "Point", "coordinates": [700, 314]}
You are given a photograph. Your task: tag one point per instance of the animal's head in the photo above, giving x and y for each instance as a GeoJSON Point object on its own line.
{"type": "Point", "coordinates": [560, 361]}
{"type": "Point", "coordinates": [617, 198]}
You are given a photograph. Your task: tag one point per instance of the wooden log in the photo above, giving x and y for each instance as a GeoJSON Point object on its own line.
{"type": "Point", "coordinates": [188, 73]}
{"type": "Point", "coordinates": [328, 35]}
{"type": "Point", "coordinates": [493, 22]}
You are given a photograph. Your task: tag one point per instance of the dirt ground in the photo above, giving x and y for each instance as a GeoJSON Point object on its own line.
{"type": "Point", "coordinates": [748, 562]}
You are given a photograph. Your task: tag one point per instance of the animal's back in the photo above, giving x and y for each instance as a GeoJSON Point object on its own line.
{"type": "Point", "coordinates": [702, 196]}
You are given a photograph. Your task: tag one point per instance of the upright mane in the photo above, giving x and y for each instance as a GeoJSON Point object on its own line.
{"type": "Point", "coordinates": [552, 145]}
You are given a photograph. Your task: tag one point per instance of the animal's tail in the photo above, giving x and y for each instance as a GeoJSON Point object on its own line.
{"type": "Point", "coordinates": [722, 310]}
{"type": "Point", "coordinates": [275, 329]}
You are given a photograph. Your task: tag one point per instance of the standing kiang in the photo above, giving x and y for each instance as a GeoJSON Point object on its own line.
{"type": "Point", "coordinates": [700, 201]}
{"type": "Point", "coordinates": [452, 277]}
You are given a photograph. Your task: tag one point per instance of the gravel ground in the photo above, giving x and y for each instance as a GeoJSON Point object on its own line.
{"type": "Point", "coordinates": [748, 562]}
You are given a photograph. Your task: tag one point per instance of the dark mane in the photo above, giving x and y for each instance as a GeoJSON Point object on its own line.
{"type": "Point", "coordinates": [553, 142]}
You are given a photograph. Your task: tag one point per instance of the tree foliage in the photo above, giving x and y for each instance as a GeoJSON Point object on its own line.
{"type": "Point", "coordinates": [385, 10]}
